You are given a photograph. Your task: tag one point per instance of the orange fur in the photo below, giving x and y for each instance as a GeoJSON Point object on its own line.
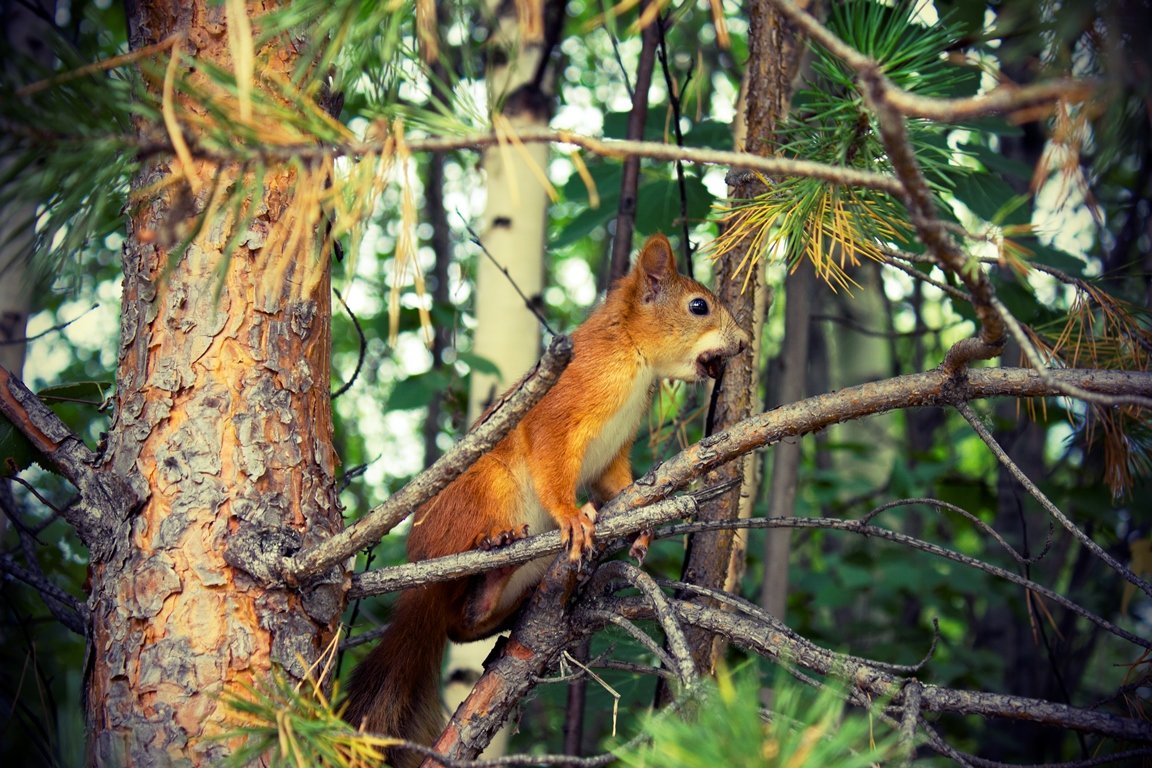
{"type": "Point", "coordinates": [578, 436]}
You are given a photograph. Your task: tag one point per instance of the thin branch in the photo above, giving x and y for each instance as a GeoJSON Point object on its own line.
{"type": "Point", "coordinates": [75, 614]}
{"type": "Point", "coordinates": [873, 532]}
{"type": "Point", "coordinates": [674, 90]}
{"type": "Point", "coordinates": [47, 331]}
{"type": "Point", "coordinates": [980, 525]}
{"type": "Point", "coordinates": [654, 150]}
{"type": "Point", "coordinates": [630, 172]}
{"type": "Point", "coordinates": [952, 291]}
{"type": "Point", "coordinates": [772, 623]}
{"type": "Point", "coordinates": [530, 305]}
{"type": "Point", "coordinates": [1084, 539]}
{"type": "Point", "coordinates": [674, 636]}
{"type": "Point", "coordinates": [363, 349]}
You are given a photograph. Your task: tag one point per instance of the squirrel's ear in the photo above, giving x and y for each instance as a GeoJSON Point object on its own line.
{"type": "Point", "coordinates": [656, 266]}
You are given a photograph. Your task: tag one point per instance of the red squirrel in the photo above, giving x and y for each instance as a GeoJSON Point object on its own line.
{"type": "Point", "coordinates": [654, 323]}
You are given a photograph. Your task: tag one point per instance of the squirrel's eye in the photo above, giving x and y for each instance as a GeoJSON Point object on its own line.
{"type": "Point", "coordinates": [698, 306]}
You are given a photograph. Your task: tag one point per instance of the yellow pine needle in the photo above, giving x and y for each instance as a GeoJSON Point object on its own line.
{"type": "Point", "coordinates": [723, 40]}
{"type": "Point", "coordinates": [530, 14]}
{"type": "Point", "coordinates": [426, 30]}
{"type": "Point", "coordinates": [501, 127]}
{"type": "Point", "coordinates": [406, 246]}
{"type": "Point", "coordinates": [613, 12]}
{"type": "Point", "coordinates": [529, 161]}
{"type": "Point", "coordinates": [300, 100]}
{"type": "Point", "coordinates": [243, 54]}
{"type": "Point", "coordinates": [586, 177]}
{"type": "Point", "coordinates": [168, 110]}
{"type": "Point", "coordinates": [648, 15]}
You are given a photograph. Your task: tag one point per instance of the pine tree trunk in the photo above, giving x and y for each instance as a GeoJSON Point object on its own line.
{"type": "Point", "coordinates": [775, 51]}
{"type": "Point", "coordinates": [223, 425]}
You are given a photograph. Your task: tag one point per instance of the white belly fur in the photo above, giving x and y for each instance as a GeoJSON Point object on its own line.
{"type": "Point", "coordinates": [618, 430]}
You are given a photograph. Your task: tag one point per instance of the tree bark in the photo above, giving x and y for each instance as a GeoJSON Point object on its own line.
{"type": "Point", "coordinates": [775, 52]}
{"type": "Point", "coordinates": [223, 426]}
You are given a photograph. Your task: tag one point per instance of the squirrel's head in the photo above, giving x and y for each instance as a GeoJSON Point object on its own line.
{"type": "Point", "coordinates": [683, 330]}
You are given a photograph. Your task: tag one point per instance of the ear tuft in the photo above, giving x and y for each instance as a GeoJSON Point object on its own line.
{"type": "Point", "coordinates": [656, 265]}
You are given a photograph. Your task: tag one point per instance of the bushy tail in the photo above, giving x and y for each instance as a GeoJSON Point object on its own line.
{"type": "Point", "coordinates": [395, 691]}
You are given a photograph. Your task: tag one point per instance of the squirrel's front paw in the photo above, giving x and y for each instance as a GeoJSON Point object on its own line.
{"type": "Point", "coordinates": [500, 539]}
{"type": "Point", "coordinates": [576, 532]}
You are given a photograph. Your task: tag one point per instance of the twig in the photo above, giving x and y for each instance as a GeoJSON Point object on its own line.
{"type": "Point", "coordinates": [909, 720]}
{"type": "Point", "coordinates": [530, 305]}
{"type": "Point", "coordinates": [630, 172]}
{"type": "Point", "coordinates": [874, 682]}
{"type": "Point", "coordinates": [952, 291]}
{"type": "Point", "coordinates": [674, 91]}
{"type": "Point", "coordinates": [105, 498]}
{"type": "Point", "coordinates": [74, 618]}
{"type": "Point", "coordinates": [980, 525]}
{"type": "Point", "coordinates": [654, 150]}
{"type": "Point", "coordinates": [363, 347]}
{"type": "Point", "coordinates": [674, 636]}
{"type": "Point", "coordinates": [1033, 357]}
{"type": "Point", "coordinates": [52, 329]}
{"type": "Point", "coordinates": [1084, 539]}
{"type": "Point", "coordinates": [871, 531]}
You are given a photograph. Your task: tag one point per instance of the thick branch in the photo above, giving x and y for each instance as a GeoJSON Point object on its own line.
{"type": "Point", "coordinates": [105, 500]}
{"type": "Point", "coordinates": [631, 511]}
{"type": "Point", "coordinates": [609, 525]}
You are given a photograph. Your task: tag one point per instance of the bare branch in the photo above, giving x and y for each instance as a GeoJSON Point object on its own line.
{"type": "Point", "coordinates": [1084, 539]}
{"type": "Point", "coordinates": [633, 509]}
{"type": "Point", "coordinates": [874, 682]}
{"type": "Point", "coordinates": [609, 525]}
{"type": "Point", "coordinates": [674, 635]}
{"type": "Point", "coordinates": [67, 609]}
{"type": "Point", "coordinates": [871, 531]}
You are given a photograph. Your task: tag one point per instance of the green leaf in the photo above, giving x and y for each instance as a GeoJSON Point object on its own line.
{"type": "Point", "coordinates": [658, 204]}
{"type": "Point", "coordinates": [416, 391]}
{"type": "Point", "coordinates": [16, 453]}
{"type": "Point", "coordinates": [477, 363]}
{"type": "Point", "coordinates": [989, 197]}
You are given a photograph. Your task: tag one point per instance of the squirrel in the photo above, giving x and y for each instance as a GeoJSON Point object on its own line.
{"type": "Point", "coordinates": [654, 323]}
